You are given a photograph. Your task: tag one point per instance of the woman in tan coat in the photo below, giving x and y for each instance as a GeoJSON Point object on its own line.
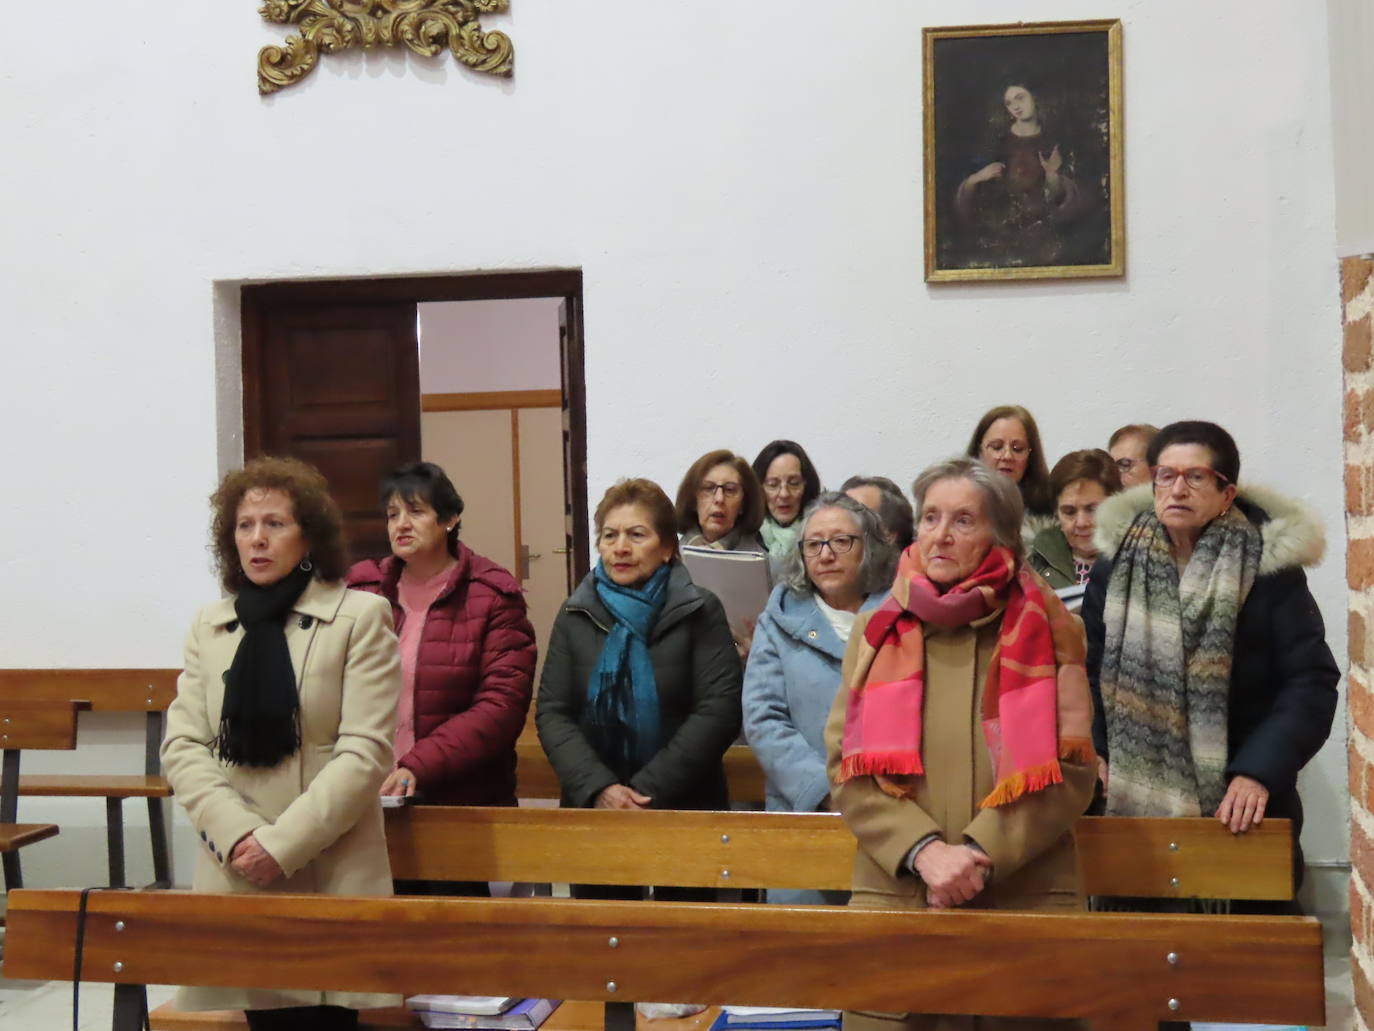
{"type": "Point", "coordinates": [959, 746]}
{"type": "Point", "coordinates": [281, 732]}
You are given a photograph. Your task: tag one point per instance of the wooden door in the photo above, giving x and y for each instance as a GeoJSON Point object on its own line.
{"type": "Point", "coordinates": [476, 448]}
{"type": "Point", "coordinates": [338, 385]}
{"type": "Point", "coordinates": [575, 526]}
{"type": "Point", "coordinates": [543, 525]}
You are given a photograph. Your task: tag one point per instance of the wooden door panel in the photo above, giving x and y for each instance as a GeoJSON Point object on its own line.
{"type": "Point", "coordinates": [340, 388]}
{"type": "Point", "coordinates": [477, 452]}
{"type": "Point", "coordinates": [542, 521]}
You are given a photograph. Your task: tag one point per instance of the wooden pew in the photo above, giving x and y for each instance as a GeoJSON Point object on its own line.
{"type": "Point", "coordinates": [27, 724]}
{"type": "Point", "coordinates": [1117, 856]}
{"type": "Point", "coordinates": [148, 691]}
{"type": "Point", "coordinates": [1123, 972]}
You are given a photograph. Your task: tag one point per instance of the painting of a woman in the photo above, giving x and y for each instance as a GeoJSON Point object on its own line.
{"type": "Point", "coordinates": [1022, 160]}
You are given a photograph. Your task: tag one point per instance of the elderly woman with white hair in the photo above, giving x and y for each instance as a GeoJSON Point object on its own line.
{"type": "Point", "coordinates": [840, 566]}
{"type": "Point", "coordinates": [960, 743]}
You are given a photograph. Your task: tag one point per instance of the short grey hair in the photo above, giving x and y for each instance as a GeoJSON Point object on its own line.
{"type": "Point", "coordinates": [879, 559]}
{"type": "Point", "coordinates": [1001, 497]}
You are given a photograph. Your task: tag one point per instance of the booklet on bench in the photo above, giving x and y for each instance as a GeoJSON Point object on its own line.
{"type": "Point", "coordinates": [444, 1011]}
{"type": "Point", "coordinates": [738, 578]}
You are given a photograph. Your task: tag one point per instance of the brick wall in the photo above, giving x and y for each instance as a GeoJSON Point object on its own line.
{"type": "Point", "coordinates": [1357, 297]}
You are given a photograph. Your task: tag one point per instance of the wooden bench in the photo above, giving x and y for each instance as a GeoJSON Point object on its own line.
{"type": "Point", "coordinates": [762, 850]}
{"type": "Point", "coordinates": [1123, 972]}
{"type": "Point", "coordinates": [25, 725]}
{"type": "Point", "coordinates": [148, 691]}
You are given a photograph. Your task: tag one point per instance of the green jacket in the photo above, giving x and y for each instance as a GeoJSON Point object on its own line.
{"type": "Point", "coordinates": [1051, 557]}
{"type": "Point", "coordinates": [697, 673]}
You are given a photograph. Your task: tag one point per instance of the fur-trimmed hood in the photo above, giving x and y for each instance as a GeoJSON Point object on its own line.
{"type": "Point", "coordinates": [1291, 530]}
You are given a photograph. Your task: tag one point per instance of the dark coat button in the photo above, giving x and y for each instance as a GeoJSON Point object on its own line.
{"type": "Point", "coordinates": [211, 844]}
{"type": "Point", "coordinates": [202, 835]}
{"type": "Point", "coordinates": [305, 622]}
{"type": "Point", "coordinates": [219, 856]}
{"type": "Point", "coordinates": [232, 625]}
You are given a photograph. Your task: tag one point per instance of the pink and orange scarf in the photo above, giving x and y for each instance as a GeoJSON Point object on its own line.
{"type": "Point", "coordinates": [1036, 704]}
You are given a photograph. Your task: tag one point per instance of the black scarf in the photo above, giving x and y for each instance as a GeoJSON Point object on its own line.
{"type": "Point", "coordinates": [259, 724]}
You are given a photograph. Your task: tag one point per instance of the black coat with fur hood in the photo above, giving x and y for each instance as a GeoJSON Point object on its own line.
{"type": "Point", "coordinates": [1283, 676]}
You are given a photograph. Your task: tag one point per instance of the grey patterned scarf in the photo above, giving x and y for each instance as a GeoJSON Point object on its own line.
{"type": "Point", "coordinates": [1166, 665]}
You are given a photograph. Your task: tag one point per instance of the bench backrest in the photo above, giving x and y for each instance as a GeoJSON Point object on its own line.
{"type": "Point", "coordinates": [1118, 856]}
{"type": "Point", "coordinates": [108, 690]}
{"type": "Point", "coordinates": [1120, 970]}
{"type": "Point", "coordinates": [28, 724]}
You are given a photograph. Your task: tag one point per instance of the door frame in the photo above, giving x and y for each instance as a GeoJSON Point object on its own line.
{"type": "Point", "coordinates": [566, 284]}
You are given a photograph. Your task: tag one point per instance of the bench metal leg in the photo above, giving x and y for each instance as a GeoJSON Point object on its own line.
{"type": "Point", "coordinates": [13, 877]}
{"type": "Point", "coordinates": [114, 840]}
{"type": "Point", "coordinates": [130, 1007]}
{"type": "Point", "coordinates": [620, 1016]}
{"type": "Point", "coordinates": [157, 829]}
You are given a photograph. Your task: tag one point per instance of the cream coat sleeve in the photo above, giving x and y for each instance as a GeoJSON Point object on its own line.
{"type": "Point", "coordinates": [216, 809]}
{"type": "Point", "coordinates": [347, 786]}
{"type": "Point", "coordinates": [887, 828]}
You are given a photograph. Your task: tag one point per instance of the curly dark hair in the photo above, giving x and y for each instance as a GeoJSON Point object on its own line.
{"type": "Point", "coordinates": [311, 503]}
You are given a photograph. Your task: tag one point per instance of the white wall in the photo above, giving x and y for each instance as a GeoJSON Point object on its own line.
{"type": "Point", "coordinates": [480, 346]}
{"type": "Point", "coordinates": [741, 186]}
{"type": "Point", "coordinates": [1351, 29]}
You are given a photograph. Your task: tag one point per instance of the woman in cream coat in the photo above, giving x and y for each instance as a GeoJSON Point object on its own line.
{"type": "Point", "coordinates": [281, 732]}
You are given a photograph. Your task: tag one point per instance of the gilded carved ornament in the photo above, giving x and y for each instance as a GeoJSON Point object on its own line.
{"type": "Point", "coordinates": [425, 26]}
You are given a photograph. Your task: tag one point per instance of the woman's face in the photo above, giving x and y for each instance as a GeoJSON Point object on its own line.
{"type": "Point", "coordinates": [269, 540]}
{"type": "Point", "coordinates": [630, 548]}
{"type": "Point", "coordinates": [1006, 448]}
{"type": "Point", "coordinates": [1019, 102]}
{"type": "Point", "coordinates": [833, 571]}
{"type": "Point", "coordinates": [783, 485]}
{"type": "Point", "coordinates": [720, 494]}
{"type": "Point", "coordinates": [1184, 509]}
{"type": "Point", "coordinates": [1129, 456]}
{"type": "Point", "coordinates": [415, 530]}
{"type": "Point", "coordinates": [1077, 512]}
{"type": "Point", "coordinates": [955, 533]}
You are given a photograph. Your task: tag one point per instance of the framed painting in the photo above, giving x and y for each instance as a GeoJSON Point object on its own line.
{"type": "Point", "coordinates": [1023, 152]}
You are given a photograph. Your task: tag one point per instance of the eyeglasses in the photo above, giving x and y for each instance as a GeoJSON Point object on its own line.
{"type": "Point", "coordinates": [792, 483]}
{"type": "Point", "coordinates": [1127, 464]}
{"type": "Point", "coordinates": [840, 544]}
{"type": "Point", "coordinates": [996, 447]}
{"type": "Point", "coordinates": [730, 490]}
{"type": "Point", "coordinates": [1196, 477]}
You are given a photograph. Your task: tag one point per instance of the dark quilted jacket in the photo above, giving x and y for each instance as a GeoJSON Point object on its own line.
{"type": "Point", "coordinates": [473, 679]}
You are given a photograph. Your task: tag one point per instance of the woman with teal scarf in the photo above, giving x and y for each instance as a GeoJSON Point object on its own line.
{"type": "Point", "coordinates": [640, 693]}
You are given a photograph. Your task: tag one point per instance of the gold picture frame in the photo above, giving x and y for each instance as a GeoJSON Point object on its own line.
{"type": "Point", "coordinates": [1023, 152]}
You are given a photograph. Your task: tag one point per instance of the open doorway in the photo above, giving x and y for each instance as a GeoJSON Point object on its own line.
{"type": "Point", "coordinates": [480, 373]}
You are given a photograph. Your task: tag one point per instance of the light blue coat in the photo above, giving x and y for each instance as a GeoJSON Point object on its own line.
{"type": "Point", "coordinates": [789, 686]}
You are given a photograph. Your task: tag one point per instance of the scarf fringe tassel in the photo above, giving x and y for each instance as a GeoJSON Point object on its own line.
{"type": "Point", "coordinates": [872, 764]}
{"type": "Point", "coordinates": [1037, 778]}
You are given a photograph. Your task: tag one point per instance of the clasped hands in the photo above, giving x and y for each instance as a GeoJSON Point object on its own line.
{"type": "Point", "coordinates": [254, 863]}
{"type": "Point", "coordinates": [621, 796]}
{"type": "Point", "coordinates": [953, 874]}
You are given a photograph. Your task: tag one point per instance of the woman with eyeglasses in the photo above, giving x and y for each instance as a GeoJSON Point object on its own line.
{"type": "Point", "coordinates": [720, 504]}
{"type": "Point", "coordinates": [1207, 655]}
{"type": "Point", "coordinates": [1081, 481]}
{"type": "Point", "coordinates": [1127, 447]}
{"type": "Point", "coordinates": [790, 483]}
{"type": "Point", "coordinates": [841, 566]}
{"type": "Point", "coordinates": [1007, 439]}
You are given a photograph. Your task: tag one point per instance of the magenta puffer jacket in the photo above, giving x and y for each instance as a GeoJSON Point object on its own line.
{"type": "Point", "coordinates": [474, 675]}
